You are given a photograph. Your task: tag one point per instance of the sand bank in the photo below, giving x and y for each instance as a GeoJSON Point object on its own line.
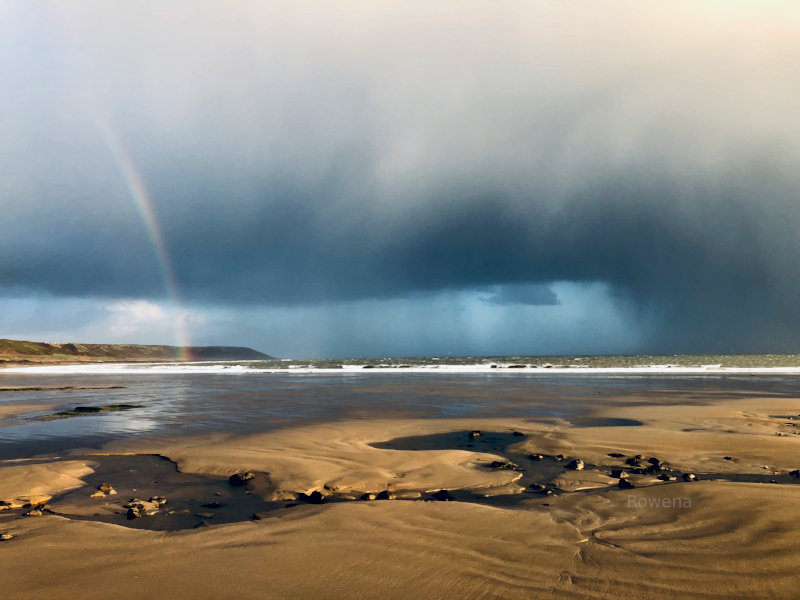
{"type": "Point", "coordinates": [704, 539]}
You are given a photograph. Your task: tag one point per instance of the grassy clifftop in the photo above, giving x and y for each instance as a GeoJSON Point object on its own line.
{"type": "Point", "coordinates": [16, 351]}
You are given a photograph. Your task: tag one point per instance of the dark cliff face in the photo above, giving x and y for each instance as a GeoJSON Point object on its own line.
{"type": "Point", "coordinates": [24, 351]}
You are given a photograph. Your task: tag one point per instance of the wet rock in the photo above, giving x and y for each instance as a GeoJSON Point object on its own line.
{"type": "Point", "coordinates": [652, 469]}
{"type": "Point", "coordinates": [689, 477]}
{"type": "Point", "coordinates": [795, 473]}
{"type": "Point", "coordinates": [314, 497]}
{"type": "Point", "coordinates": [385, 495]}
{"type": "Point", "coordinates": [666, 477]}
{"type": "Point", "coordinates": [518, 434]}
{"type": "Point", "coordinates": [474, 434]}
{"type": "Point", "coordinates": [106, 488]}
{"type": "Point", "coordinates": [503, 464]}
{"type": "Point", "coordinates": [624, 484]}
{"type": "Point", "coordinates": [560, 457]}
{"type": "Point", "coordinates": [654, 461]}
{"type": "Point", "coordinates": [442, 496]}
{"type": "Point", "coordinates": [212, 504]}
{"type": "Point", "coordinates": [576, 465]}
{"type": "Point", "coordinates": [535, 457]}
{"type": "Point", "coordinates": [239, 479]}
{"type": "Point", "coordinates": [634, 462]}
{"type": "Point", "coordinates": [618, 473]}
{"type": "Point", "coordinates": [138, 508]}
{"type": "Point", "coordinates": [616, 455]}
{"type": "Point", "coordinates": [204, 515]}
{"type": "Point", "coordinates": [368, 496]}
{"type": "Point", "coordinates": [538, 487]}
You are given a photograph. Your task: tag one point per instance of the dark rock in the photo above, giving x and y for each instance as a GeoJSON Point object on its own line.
{"type": "Point", "coordinates": [538, 487]}
{"type": "Point", "coordinates": [516, 366]}
{"type": "Point", "coordinates": [727, 458]}
{"type": "Point", "coordinates": [618, 473]}
{"type": "Point", "coordinates": [576, 465]}
{"type": "Point", "coordinates": [654, 461]}
{"type": "Point", "coordinates": [689, 477]}
{"type": "Point", "coordinates": [239, 479]}
{"type": "Point", "coordinates": [502, 464]}
{"type": "Point", "coordinates": [560, 457]}
{"type": "Point", "coordinates": [518, 434]}
{"type": "Point", "coordinates": [652, 469]}
{"type": "Point", "coordinates": [212, 504]}
{"type": "Point", "coordinates": [314, 497]}
{"type": "Point", "coordinates": [666, 477]}
{"type": "Point", "coordinates": [616, 455]}
{"type": "Point", "coordinates": [474, 434]}
{"type": "Point", "coordinates": [135, 513]}
{"type": "Point", "coordinates": [634, 462]}
{"type": "Point", "coordinates": [535, 457]}
{"type": "Point", "coordinates": [795, 473]}
{"type": "Point", "coordinates": [624, 484]}
{"type": "Point", "coordinates": [638, 457]}
{"type": "Point", "coordinates": [442, 496]}
{"type": "Point", "coordinates": [385, 495]}
{"type": "Point", "coordinates": [106, 488]}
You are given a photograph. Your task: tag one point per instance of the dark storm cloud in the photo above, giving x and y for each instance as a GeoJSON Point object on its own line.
{"type": "Point", "coordinates": [306, 155]}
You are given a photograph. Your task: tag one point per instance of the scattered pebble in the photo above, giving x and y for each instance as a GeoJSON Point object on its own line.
{"type": "Point", "coordinates": [503, 464]}
{"type": "Point", "coordinates": [689, 477]}
{"type": "Point", "coordinates": [239, 479]}
{"type": "Point", "coordinates": [368, 496]}
{"type": "Point", "coordinates": [442, 495]}
{"type": "Point", "coordinates": [624, 484]}
{"type": "Point", "coordinates": [385, 495]}
{"type": "Point", "coordinates": [576, 465]}
{"type": "Point", "coordinates": [535, 457]}
{"type": "Point", "coordinates": [314, 497]}
{"type": "Point", "coordinates": [619, 473]}
{"type": "Point", "coordinates": [6, 537]}
{"type": "Point", "coordinates": [212, 504]}
{"type": "Point", "coordinates": [474, 434]}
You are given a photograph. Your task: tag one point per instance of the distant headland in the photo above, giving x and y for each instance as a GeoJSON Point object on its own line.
{"type": "Point", "coordinates": [22, 352]}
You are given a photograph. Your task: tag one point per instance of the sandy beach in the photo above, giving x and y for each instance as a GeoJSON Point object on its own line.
{"type": "Point", "coordinates": [521, 523]}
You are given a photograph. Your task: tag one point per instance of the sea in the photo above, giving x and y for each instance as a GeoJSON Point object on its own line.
{"type": "Point", "coordinates": [116, 401]}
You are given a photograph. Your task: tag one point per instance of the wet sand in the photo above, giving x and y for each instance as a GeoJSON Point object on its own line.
{"type": "Point", "coordinates": [534, 528]}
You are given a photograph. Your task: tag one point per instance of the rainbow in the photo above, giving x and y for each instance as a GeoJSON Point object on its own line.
{"type": "Point", "coordinates": [137, 191]}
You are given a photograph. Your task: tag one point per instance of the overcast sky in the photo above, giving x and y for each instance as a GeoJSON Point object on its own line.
{"type": "Point", "coordinates": [402, 178]}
